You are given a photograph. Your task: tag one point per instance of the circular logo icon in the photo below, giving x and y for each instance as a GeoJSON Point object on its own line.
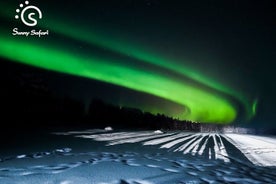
{"type": "Point", "coordinates": [29, 19]}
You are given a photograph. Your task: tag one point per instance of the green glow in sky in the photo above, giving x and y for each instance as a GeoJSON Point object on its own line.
{"type": "Point", "coordinates": [190, 92]}
{"type": "Point", "coordinates": [204, 106]}
{"type": "Point", "coordinates": [126, 45]}
{"type": "Point", "coordinates": [120, 45]}
{"type": "Point", "coordinates": [254, 106]}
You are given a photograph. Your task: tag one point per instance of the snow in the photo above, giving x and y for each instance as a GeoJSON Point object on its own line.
{"type": "Point", "coordinates": [108, 128]}
{"type": "Point", "coordinates": [158, 132]}
{"type": "Point", "coordinates": [136, 157]}
{"type": "Point", "coordinates": [258, 149]}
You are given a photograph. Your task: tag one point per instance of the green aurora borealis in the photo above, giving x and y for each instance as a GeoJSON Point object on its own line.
{"type": "Point", "coordinates": [205, 99]}
{"type": "Point", "coordinates": [197, 100]}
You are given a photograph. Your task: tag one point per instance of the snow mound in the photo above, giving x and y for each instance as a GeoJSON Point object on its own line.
{"type": "Point", "coordinates": [108, 128]}
{"type": "Point", "coordinates": [158, 132]}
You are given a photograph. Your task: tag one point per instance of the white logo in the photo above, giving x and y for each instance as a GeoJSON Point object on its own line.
{"type": "Point", "coordinates": [31, 21]}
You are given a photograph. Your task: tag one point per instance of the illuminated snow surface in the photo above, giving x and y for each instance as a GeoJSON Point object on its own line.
{"type": "Point", "coordinates": [100, 156]}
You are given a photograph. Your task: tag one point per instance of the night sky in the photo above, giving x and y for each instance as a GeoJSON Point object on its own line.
{"type": "Point", "coordinates": [207, 61]}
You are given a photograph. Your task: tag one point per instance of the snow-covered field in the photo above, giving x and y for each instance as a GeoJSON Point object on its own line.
{"type": "Point", "coordinates": [103, 156]}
